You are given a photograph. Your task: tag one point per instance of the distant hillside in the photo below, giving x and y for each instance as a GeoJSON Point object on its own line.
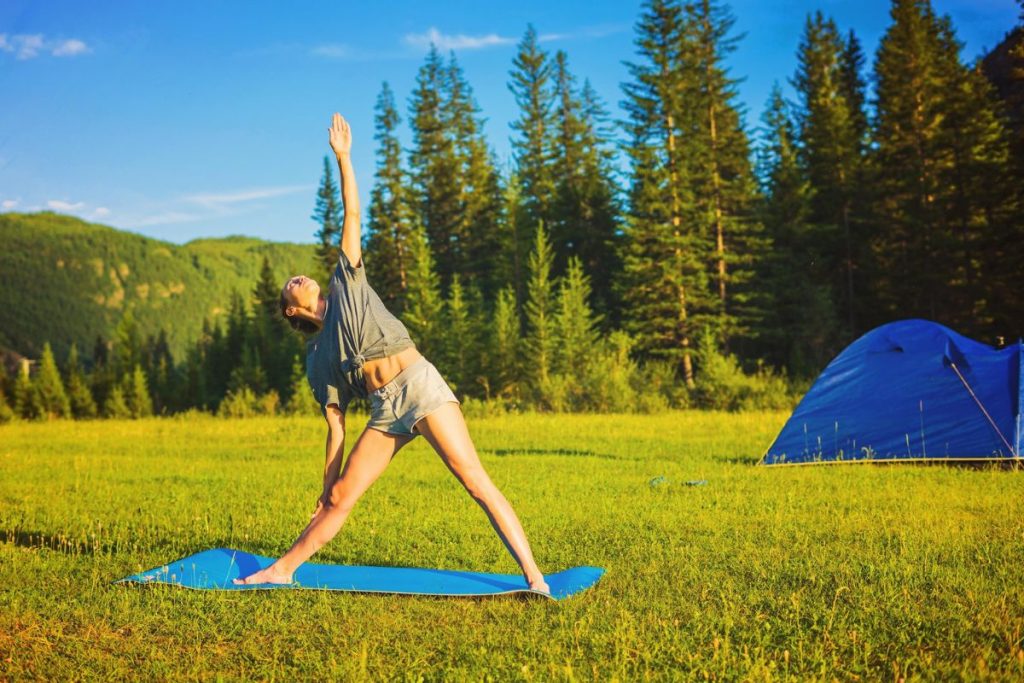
{"type": "Point", "coordinates": [63, 280]}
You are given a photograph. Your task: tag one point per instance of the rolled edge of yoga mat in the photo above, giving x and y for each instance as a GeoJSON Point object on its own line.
{"type": "Point", "coordinates": [214, 570]}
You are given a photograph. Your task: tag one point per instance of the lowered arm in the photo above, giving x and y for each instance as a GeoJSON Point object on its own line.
{"type": "Point", "coordinates": [335, 448]}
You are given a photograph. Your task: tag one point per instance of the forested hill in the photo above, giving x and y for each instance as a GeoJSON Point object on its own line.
{"type": "Point", "coordinates": [63, 280]}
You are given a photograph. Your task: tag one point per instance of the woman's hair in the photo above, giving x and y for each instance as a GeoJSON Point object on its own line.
{"type": "Point", "coordinates": [297, 323]}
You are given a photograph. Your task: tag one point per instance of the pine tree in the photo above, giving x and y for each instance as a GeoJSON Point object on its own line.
{"type": "Point", "coordinates": [100, 352]}
{"type": "Point", "coordinates": [158, 364]}
{"type": "Point", "coordinates": [505, 346]}
{"type": "Point", "coordinates": [986, 206]}
{"type": "Point", "coordinates": [939, 165]}
{"type": "Point", "coordinates": [801, 322]}
{"type": "Point", "coordinates": [514, 256]}
{"type": "Point", "coordinates": [434, 168]}
{"type": "Point", "coordinates": [127, 344]}
{"type": "Point", "coordinates": [115, 407]}
{"type": "Point", "coordinates": [328, 215]}
{"type": "Point", "coordinates": [575, 322]}
{"type": "Point", "coordinates": [300, 399]}
{"type": "Point", "coordinates": [1004, 68]}
{"type": "Point", "coordinates": [460, 348]}
{"type": "Point", "coordinates": [533, 148]}
{"type": "Point", "coordinates": [83, 405]}
{"type": "Point", "coordinates": [248, 372]}
{"type": "Point", "coordinates": [584, 212]}
{"type": "Point", "coordinates": [599, 251]}
{"type": "Point", "coordinates": [717, 152]}
{"type": "Point", "coordinates": [24, 394]}
{"type": "Point", "coordinates": [854, 87]}
{"type": "Point", "coordinates": [6, 412]}
{"type": "Point", "coordinates": [194, 392]}
{"type": "Point", "coordinates": [50, 397]}
{"type": "Point", "coordinates": [218, 361]}
{"type": "Point", "coordinates": [540, 314]}
{"type": "Point", "coordinates": [424, 305]}
{"type": "Point", "coordinates": [831, 126]}
{"type": "Point", "coordinates": [664, 276]}
{"type": "Point", "coordinates": [272, 337]}
{"type": "Point", "coordinates": [390, 217]}
{"type": "Point", "coordinates": [480, 217]}
{"type": "Point", "coordinates": [242, 364]}
{"type": "Point", "coordinates": [136, 393]}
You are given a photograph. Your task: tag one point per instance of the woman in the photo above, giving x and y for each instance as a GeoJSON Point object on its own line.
{"type": "Point", "coordinates": [360, 349]}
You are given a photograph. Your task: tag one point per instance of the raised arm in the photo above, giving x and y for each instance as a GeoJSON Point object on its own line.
{"type": "Point", "coordinates": [341, 143]}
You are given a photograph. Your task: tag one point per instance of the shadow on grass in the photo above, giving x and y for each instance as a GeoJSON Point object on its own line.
{"type": "Point", "coordinates": [502, 452]}
{"type": "Point", "coordinates": [297, 593]}
{"type": "Point", "coordinates": [977, 465]}
{"type": "Point", "coordinates": [739, 459]}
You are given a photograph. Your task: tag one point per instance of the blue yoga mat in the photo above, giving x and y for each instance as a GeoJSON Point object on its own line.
{"type": "Point", "coordinates": [214, 570]}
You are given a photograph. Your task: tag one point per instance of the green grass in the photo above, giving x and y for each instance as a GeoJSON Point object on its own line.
{"type": "Point", "coordinates": [874, 572]}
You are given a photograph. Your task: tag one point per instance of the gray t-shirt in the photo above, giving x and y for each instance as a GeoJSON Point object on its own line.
{"type": "Point", "coordinates": [357, 328]}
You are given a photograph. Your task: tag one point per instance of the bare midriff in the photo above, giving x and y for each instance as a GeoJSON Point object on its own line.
{"type": "Point", "coordinates": [380, 371]}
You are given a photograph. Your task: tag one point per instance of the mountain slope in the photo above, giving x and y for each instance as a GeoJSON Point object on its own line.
{"type": "Point", "coordinates": [63, 280]}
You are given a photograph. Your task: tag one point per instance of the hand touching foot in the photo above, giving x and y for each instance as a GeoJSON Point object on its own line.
{"type": "Point", "coordinates": [268, 575]}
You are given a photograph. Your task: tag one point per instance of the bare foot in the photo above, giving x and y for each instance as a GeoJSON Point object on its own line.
{"type": "Point", "coordinates": [268, 575]}
{"type": "Point", "coordinates": [540, 585]}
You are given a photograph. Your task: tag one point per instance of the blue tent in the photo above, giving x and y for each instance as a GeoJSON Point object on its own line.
{"type": "Point", "coordinates": [909, 390]}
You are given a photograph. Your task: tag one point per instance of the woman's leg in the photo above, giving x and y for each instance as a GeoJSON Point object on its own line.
{"type": "Point", "coordinates": [445, 429]}
{"type": "Point", "coordinates": [368, 459]}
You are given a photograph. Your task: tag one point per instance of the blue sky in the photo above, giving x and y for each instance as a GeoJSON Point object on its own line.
{"type": "Point", "coordinates": [190, 119]}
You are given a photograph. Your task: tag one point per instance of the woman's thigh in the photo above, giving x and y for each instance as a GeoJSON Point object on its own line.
{"type": "Point", "coordinates": [370, 456]}
{"type": "Point", "coordinates": [445, 429]}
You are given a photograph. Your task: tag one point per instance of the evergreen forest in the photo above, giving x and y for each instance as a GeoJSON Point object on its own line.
{"type": "Point", "coordinates": [681, 256]}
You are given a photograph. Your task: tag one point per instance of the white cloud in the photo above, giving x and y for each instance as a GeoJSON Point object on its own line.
{"type": "Point", "coordinates": [29, 45]}
{"type": "Point", "coordinates": [203, 206]}
{"type": "Point", "coordinates": [70, 48]}
{"type": "Point", "coordinates": [585, 32]}
{"type": "Point", "coordinates": [455, 42]}
{"type": "Point", "coordinates": [332, 50]}
{"type": "Point", "coordinates": [101, 211]}
{"type": "Point", "coordinates": [222, 199]}
{"type": "Point", "coordinates": [61, 205]}
{"type": "Point", "coordinates": [9, 204]}
{"type": "Point", "coordinates": [165, 218]}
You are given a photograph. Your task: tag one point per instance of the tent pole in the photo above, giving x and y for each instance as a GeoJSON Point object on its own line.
{"type": "Point", "coordinates": [985, 412]}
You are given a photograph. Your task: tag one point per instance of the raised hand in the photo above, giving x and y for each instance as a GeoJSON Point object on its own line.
{"type": "Point", "coordinates": [341, 135]}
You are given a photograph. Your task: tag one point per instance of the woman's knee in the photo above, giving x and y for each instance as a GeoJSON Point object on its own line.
{"type": "Point", "coordinates": [479, 486]}
{"type": "Point", "coordinates": [341, 497]}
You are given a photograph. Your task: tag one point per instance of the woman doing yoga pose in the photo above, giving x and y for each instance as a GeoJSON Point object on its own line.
{"type": "Point", "coordinates": [358, 349]}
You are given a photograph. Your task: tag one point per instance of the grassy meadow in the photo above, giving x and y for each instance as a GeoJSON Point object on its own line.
{"type": "Point", "coordinates": [850, 572]}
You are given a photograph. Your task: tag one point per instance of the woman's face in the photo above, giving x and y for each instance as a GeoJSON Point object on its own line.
{"type": "Point", "coordinates": [302, 292]}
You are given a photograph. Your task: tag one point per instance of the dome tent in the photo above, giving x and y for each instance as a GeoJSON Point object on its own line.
{"type": "Point", "coordinates": [909, 390]}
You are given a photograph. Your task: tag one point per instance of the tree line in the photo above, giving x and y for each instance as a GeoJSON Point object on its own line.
{"type": "Point", "coordinates": [727, 265]}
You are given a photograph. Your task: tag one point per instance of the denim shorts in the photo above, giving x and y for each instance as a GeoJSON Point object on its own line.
{"type": "Point", "coordinates": [413, 394]}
